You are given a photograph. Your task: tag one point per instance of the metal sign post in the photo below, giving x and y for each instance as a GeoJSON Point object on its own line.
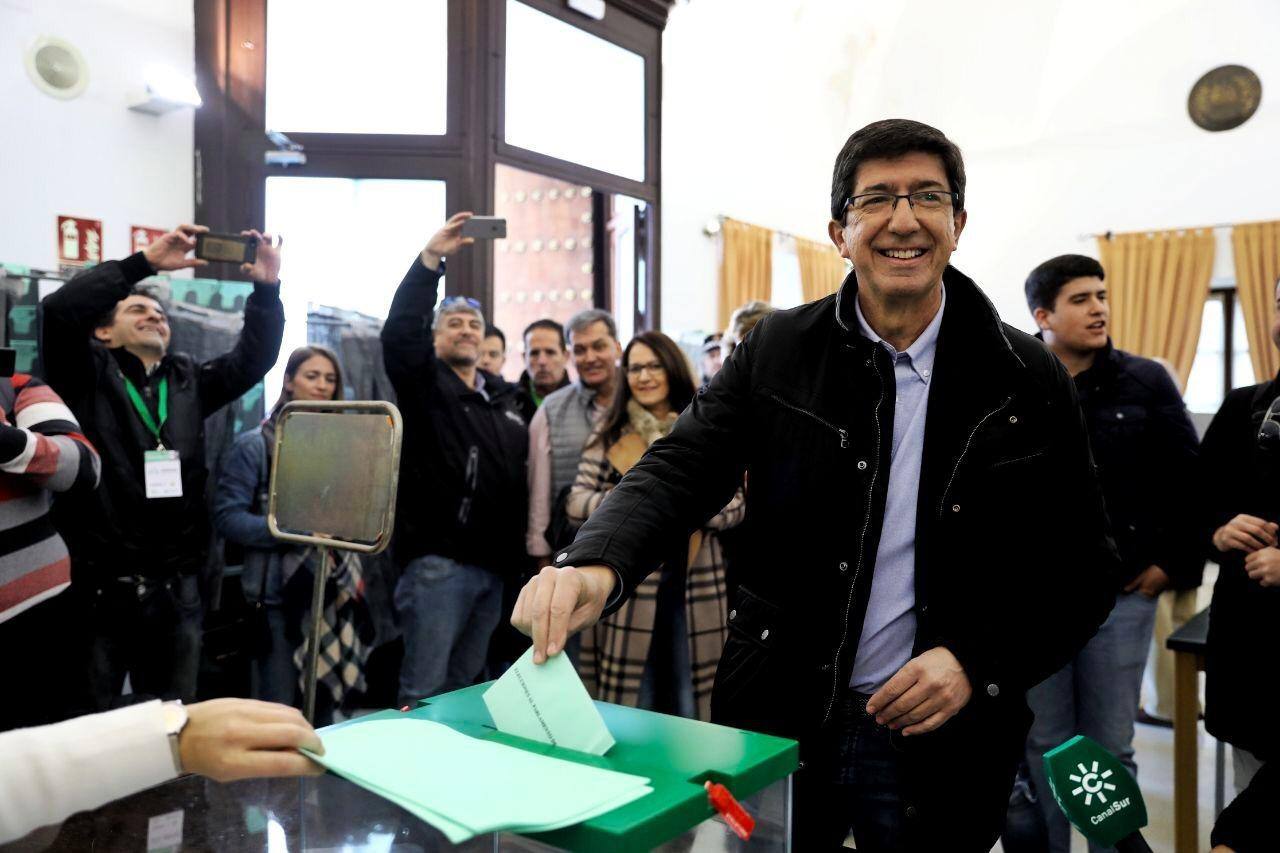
{"type": "Point", "coordinates": [334, 475]}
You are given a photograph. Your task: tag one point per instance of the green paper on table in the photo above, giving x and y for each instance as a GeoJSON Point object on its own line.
{"type": "Point", "coordinates": [547, 703]}
{"type": "Point", "coordinates": [465, 786]}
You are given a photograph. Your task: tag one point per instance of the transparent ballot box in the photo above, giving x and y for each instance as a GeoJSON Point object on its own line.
{"type": "Point", "coordinates": [329, 813]}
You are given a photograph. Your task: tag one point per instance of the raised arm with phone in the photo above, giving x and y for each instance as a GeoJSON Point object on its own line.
{"type": "Point", "coordinates": [461, 513]}
{"type": "Point", "coordinates": [138, 543]}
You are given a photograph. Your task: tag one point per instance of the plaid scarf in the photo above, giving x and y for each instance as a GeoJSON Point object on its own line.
{"type": "Point", "coordinates": [346, 627]}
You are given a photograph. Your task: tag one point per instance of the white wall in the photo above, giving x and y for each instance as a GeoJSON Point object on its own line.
{"type": "Point", "coordinates": [91, 156]}
{"type": "Point", "coordinates": [1071, 115]}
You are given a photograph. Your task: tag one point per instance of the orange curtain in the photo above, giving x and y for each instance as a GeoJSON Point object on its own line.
{"type": "Point", "coordinates": [746, 266]}
{"type": "Point", "coordinates": [1257, 255]}
{"type": "Point", "coordinates": [821, 269]}
{"type": "Point", "coordinates": [1157, 283]}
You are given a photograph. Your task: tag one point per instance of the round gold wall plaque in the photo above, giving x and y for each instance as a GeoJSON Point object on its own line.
{"type": "Point", "coordinates": [1224, 98]}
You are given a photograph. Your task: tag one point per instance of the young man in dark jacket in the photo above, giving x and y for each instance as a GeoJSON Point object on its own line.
{"type": "Point", "coordinates": [138, 542]}
{"type": "Point", "coordinates": [896, 601]}
{"type": "Point", "coordinates": [1145, 448]}
{"type": "Point", "coordinates": [461, 510]}
{"type": "Point", "coordinates": [1240, 485]}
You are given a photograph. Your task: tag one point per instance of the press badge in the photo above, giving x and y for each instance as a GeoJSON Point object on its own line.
{"type": "Point", "coordinates": [162, 472]}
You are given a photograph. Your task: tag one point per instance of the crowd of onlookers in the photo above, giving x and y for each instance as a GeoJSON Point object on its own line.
{"type": "Point", "coordinates": [105, 581]}
{"type": "Point", "coordinates": [109, 506]}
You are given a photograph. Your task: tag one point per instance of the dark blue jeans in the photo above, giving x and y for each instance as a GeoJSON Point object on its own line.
{"type": "Point", "coordinates": [448, 611]}
{"type": "Point", "coordinates": [856, 785]}
{"type": "Point", "coordinates": [1094, 695]}
{"type": "Point", "coordinates": [147, 630]}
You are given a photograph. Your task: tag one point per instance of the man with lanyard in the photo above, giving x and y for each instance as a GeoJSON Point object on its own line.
{"type": "Point", "coordinates": [138, 543]}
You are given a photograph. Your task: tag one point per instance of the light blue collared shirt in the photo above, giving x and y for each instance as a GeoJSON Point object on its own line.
{"type": "Point", "coordinates": [889, 627]}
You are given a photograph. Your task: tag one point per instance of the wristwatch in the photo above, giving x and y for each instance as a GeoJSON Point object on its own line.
{"type": "Point", "coordinates": [175, 720]}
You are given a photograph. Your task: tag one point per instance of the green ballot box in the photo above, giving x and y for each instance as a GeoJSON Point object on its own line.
{"type": "Point", "coordinates": [673, 756]}
{"type": "Point", "coordinates": [678, 756]}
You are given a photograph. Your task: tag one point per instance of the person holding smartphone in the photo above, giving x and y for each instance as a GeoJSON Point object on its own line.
{"type": "Point", "coordinates": [461, 510]}
{"type": "Point", "coordinates": [138, 543]}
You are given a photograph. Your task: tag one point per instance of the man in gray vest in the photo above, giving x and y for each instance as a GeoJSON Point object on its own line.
{"type": "Point", "coordinates": [564, 422]}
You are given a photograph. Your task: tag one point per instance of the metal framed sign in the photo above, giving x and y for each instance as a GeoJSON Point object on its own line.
{"type": "Point", "coordinates": [335, 470]}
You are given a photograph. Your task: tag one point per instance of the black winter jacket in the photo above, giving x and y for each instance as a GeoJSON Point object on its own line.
{"type": "Point", "coordinates": [463, 493]}
{"type": "Point", "coordinates": [1014, 567]}
{"type": "Point", "coordinates": [1145, 448]}
{"type": "Point", "coordinates": [116, 531]}
{"type": "Point", "coordinates": [1242, 684]}
{"type": "Point", "coordinates": [528, 408]}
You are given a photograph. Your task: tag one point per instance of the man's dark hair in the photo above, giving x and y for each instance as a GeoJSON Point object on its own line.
{"type": "Point", "coordinates": [887, 139]}
{"type": "Point", "coordinates": [492, 331]}
{"type": "Point", "coordinates": [545, 323]}
{"type": "Point", "coordinates": [1047, 279]}
{"type": "Point", "coordinates": [150, 291]}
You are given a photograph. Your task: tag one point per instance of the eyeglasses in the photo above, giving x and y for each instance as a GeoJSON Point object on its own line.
{"type": "Point", "coordinates": [638, 370]}
{"type": "Point", "coordinates": [875, 205]}
{"type": "Point", "coordinates": [461, 300]}
{"type": "Point", "coordinates": [1269, 431]}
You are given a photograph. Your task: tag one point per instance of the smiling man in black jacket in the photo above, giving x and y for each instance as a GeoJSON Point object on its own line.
{"type": "Point", "coordinates": [1145, 447]}
{"type": "Point", "coordinates": [138, 542]}
{"type": "Point", "coordinates": [897, 600]}
{"type": "Point", "coordinates": [461, 511]}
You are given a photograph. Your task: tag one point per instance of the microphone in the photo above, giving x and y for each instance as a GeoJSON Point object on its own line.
{"type": "Point", "coordinates": [1097, 794]}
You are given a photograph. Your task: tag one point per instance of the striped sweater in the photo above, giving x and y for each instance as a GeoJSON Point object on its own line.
{"type": "Point", "coordinates": [41, 452]}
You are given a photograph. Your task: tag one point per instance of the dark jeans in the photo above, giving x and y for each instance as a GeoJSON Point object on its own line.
{"type": "Point", "coordinates": [274, 676]}
{"type": "Point", "coordinates": [1095, 695]}
{"type": "Point", "coordinates": [855, 784]}
{"type": "Point", "coordinates": [149, 631]}
{"type": "Point", "coordinates": [448, 611]}
{"type": "Point", "coordinates": [44, 679]}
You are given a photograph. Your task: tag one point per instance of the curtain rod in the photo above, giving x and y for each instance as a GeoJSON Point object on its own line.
{"type": "Point", "coordinates": [712, 228]}
{"type": "Point", "coordinates": [1214, 227]}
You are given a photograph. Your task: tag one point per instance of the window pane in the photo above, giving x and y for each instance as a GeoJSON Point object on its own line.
{"type": "Point", "coordinates": [622, 278]}
{"type": "Point", "coordinates": [334, 67]}
{"type": "Point", "coordinates": [1241, 366]}
{"type": "Point", "coordinates": [1204, 388]}
{"type": "Point", "coordinates": [787, 290]}
{"type": "Point", "coordinates": [347, 245]}
{"type": "Point", "coordinates": [572, 95]}
{"type": "Point", "coordinates": [544, 267]}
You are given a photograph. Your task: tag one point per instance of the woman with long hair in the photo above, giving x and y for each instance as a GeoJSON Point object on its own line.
{"type": "Point", "coordinates": [660, 650]}
{"type": "Point", "coordinates": [240, 515]}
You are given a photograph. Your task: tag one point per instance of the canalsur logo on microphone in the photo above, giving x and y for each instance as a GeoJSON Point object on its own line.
{"type": "Point", "coordinates": [1097, 794]}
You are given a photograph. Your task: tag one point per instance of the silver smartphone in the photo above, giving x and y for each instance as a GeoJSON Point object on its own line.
{"type": "Point", "coordinates": [485, 228]}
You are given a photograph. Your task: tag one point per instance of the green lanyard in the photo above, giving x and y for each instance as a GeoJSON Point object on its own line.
{"type": "Point", "coordinates": [144, 413]}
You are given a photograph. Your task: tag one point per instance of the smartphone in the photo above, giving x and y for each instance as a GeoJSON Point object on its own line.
{"type": "Point", "coordinates": [8, 361]}
{"type": "Point", "coordinates": [231, 248]}
{"type": "Point", "coordinates": [485, 227]}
